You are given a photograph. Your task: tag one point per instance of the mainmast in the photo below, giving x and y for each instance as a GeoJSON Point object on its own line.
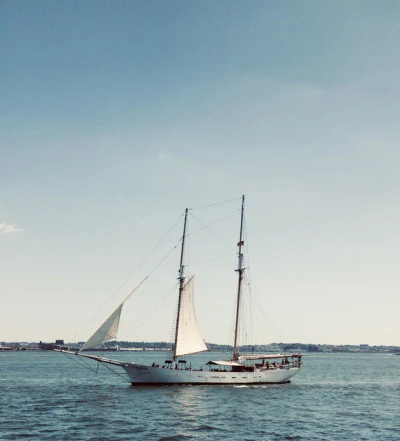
{"type": "Point", "coordinates": [181, 279]}
{"type": "Point", "coordinates": [240, 271]}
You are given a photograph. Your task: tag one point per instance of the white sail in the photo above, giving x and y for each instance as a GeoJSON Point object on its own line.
{"type": "Point", "coordinates": [189, 339]}
{"type": "Point", "coordinates": [109, 329]}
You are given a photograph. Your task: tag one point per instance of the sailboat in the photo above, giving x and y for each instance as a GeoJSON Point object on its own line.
{"type": "Point", "coordinates": [243, 369]}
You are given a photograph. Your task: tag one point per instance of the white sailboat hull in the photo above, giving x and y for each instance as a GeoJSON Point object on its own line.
{"type": "Point", "coordinates": [140, 375]}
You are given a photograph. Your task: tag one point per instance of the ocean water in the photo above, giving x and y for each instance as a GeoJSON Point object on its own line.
{"type": "Point", "coordinates": [47, 396]}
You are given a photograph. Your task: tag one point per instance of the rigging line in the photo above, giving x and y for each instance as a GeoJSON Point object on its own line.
{"type": "Point", "coordinates": [146, 257]}
{"type": "Point", "coordinates": [139, 322]}
{"type": "Point", "coordinates": [212, 223]}
{"type": "Point", "coordinates": [78, 361]}
{"type": "Point", "coordinates": [255, 300]}
{"type": "Point", "coordinates": [204, 262]}
{"type": "Point", "coordinates": [134, 271]}
{"type": "Point", "coordinates": [136, 325]}
{"type": "Point", "coordinates": [214, 205]}
{"type": "Point", "coordinates": [247, 248]}
{"type": "Point", "coordinates": [213, 233]}
{"type": "Point", "coordinates": [247, 279]}
{"type": "Point", "coordinates": [159, 243]}
{"type": "Point", "coordinates": [114, 372]}
{"type": "Point", "coordinates": [260, 315]}
{"type": "Point", "coordinates": [163, 259]}
{"type": "Point", "coordinates": [86, 366]}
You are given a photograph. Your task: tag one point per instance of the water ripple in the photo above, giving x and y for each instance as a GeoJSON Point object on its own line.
{"type": "Point", "coordinates": [336, 397]}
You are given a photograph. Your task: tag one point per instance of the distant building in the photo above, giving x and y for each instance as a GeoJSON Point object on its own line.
{"type": "Point", "coordinates": [59, 344]}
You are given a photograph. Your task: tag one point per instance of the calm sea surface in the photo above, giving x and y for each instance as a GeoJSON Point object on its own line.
{"type": "Point", "coordinates": [46, 396]}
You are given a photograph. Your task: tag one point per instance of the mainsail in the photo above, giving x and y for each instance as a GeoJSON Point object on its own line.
{"type": "Point", "coordinates": [189, 339]}
{"type": "Point", "coordinates": [109, 329]}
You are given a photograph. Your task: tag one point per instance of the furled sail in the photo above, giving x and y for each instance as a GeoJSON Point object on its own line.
{"type": "Point", "coordinates": [109, 329]}
{"type": "Point", "coordinates": [189, 339]}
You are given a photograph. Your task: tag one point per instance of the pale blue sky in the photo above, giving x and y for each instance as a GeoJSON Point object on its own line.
{"type": "Point", "coordinates": [115, 116]}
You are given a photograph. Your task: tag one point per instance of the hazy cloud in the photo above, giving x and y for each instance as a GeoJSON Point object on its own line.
{"type": "Point", "coordinates": [9, 228]}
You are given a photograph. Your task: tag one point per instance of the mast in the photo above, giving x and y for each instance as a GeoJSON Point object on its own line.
{"type": "Point", "coordinates": [181, 279]}
{"type": "Point", "coordinates": [240, 271]}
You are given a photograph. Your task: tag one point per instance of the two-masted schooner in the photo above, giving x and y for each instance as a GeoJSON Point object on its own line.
{"type": "Point", "coordinates": [253, 368]}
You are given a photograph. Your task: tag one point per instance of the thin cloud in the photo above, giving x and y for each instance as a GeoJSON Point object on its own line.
{"type": "Point", "coordinates": [9, 228]}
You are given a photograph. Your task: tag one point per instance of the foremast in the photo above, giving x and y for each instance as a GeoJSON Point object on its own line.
{"type": "Point", "coordinates": [240, 271]}
{"type": "Point", "coordinates": [181, 279]}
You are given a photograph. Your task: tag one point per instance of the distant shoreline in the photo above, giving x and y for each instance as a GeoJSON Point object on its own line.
{"type": "Point", "coordinates": [125, 346]}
